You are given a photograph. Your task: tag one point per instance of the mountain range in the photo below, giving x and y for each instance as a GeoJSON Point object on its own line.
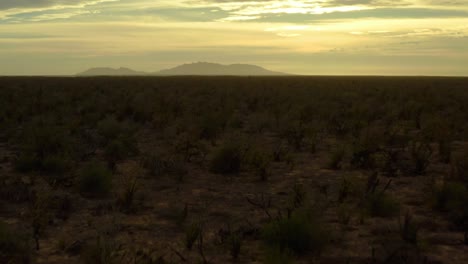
{"type": "Point", "coordinates": [199, 68]}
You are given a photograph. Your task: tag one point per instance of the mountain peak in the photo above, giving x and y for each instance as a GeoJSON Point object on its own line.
{"type": "Point", "coordinates": [106, 71]}
{"type": "Point", "coordinates": [208, 68]}
{"type": "Point", "coordinates": [196, 68]}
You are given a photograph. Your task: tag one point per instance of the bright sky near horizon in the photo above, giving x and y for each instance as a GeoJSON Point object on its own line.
{"type": "Point", "coordinates": [318, 37]}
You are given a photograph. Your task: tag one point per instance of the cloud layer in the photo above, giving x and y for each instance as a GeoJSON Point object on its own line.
{"type": "Point", "coordinates": [427, 37]}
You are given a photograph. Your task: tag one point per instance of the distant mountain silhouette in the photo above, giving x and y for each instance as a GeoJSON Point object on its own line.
{"type": "Point", "coordinates": [103, 71]}
{"type": "Point", "coordinates": [199, 68]}
{"type": "Point", "coordinates": [205, 68]}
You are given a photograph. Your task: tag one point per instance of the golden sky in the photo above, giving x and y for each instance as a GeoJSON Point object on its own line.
{"type": "Point", "coordinates": [317, 37]}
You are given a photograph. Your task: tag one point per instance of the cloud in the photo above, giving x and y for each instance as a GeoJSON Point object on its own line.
{"type": "Point", "coordinates": [32, 4]}
{"type": "Point", "coordinates": [67, 36]}
{"type": "Point", "coordinates": [17, 11]}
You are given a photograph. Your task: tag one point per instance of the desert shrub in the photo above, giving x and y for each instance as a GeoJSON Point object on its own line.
{"type": "Point", "coordinates": [380, 204]}
{"type": "Point", "coordinates": [126, 198]}
{"type": "Point", "coordinates": [172, 165]}
{"type": "Point", "coordinates": [409, 229]}
{"type": "Point", "coordinates": [40, 215]}
{"type": "Point", "coordinates": [15, 191]}
{"type": "Point", "coordinates": [259, 162]}
{"type": "Point", "coordinates": [95, 179]}
{"type": "Point", "coordinates": [62, 205]}
{"type": "Point", "coordinates": [345, 214]}
{"type": "Point", "coordinates": [460, 167]}
{"type": "Point", "coordinates": [298, 196]}
{"type": "Point", "coordinates": [190, 148]}
{"type": "Point", "coordinates": [277, 256]}
{"type": "Point", "coordinates": [420, 153]}
{"type": "Point", "coordinates": [119, 149]}
{"type": "Point", "coordinates": [362, 156]}
{"type": "Point", "coordinates": [295, 134]}
{"type": "Point", "coordinates": [211, 125]}
{"type": "Point", "coordinates": [226, 160]}
{"type": "Point", "coordinates": [445, 151]}
{"type": "Point", "coordinates": [109, 128]}
{"type": "Point", "coordinates": [192, 233]}
{"type": "Point", "coordinates": [344, 190]}
{"type": "Point", "coordinates": [155, 165]}
{"type": "Point", "coordinates": [365, 147]}
{"type": "Point", "coordinates": [56, 166]}
{"type": "Point", "coordinates": [452, 198]}
{"type": "Point", "coordinates": [44, 149]}
{"type": "Point", "coordinates": [235, 122]}
{"type": "Point", "coordinates": [299, 234]}
{"type": "Point", "coordinates": [26, 163]}
{"type": "Point", "coordinates": [280, 152]}
{"type": "Point", "coordinates": [390, 161]}
{"type": "Point", "coordinates": [101, 251]}
{"type": "Point", "coordinates": [336, 158]}
{"type": "Point", "coordinates": [14, 248]}
{"type": "Point", "coordinates": [49, 140]}
{"type": "Point", "coordinates": [258, 122]}
{"type": "Point", "coordinates": [235, 244]}
{"type": "Point", "coordinates": [142, 106]}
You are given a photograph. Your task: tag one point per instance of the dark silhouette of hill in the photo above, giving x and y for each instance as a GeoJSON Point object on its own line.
{"type": "Point", "coordinates": [205, 68]}
{"type": "Point", "coordinates": [199, 68]}
{"type": "Point", "coordinates": [104, 71]}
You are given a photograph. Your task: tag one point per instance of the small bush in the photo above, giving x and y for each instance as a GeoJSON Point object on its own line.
{"type": "Point", "coordinates": [155, 165]}
{"type": "Point", "coordinates": [126, 198]}
{"type": "Point", "coordinates": [280, 152]}
{"type": "Point", "coordinates": [362, 156]}
{"type": "Point", "coordinates": [298, 197]}
{"type": "Point", "coordinates": [95, 179]}
{"type": "Point", "coordinates": [277, 256]}
{"type": "Point", "coordinates": [336, 157]}
{"type": "Point", "coordinates": [259, 163]}
{"type": "Point", "coordinates": [102, 251]}
{"type": "Point", "coordinates": [40, 215]}
{"type": "Point", "coordinates": [445, 151]}
{"type": "Point", "coordinates": [421, 153]}
{"type": "Point", "coordinates": [295, 134]}
{"type": "Point", "coordinates": [192, 232]}
{"type": "Point", "coordinates": [235, 241]}
{"type": "Point", "coordinates": [116, 151]}
{"type": "Point", "coordinates": [27, 163]}
{"type": "Point", "coordinates": [109, 128]}
{"type": "Point", "coordinates": [345, 214]}
{"type": "Point", "coordinates": [409, 230]}
{"type": "Point", "coordinates": [44, 149]}
{"type": "Point", "coordinates": [211, 126]}
{"type": "Point", "coordinates": [227, 160]}
{"type": "Point", "coordinates": [452, 198]}
{"type": "Point", "coordinates": [298, 234]}
{"type": "Point", "coordinates": [460, 167]}
{"type": "Point", "coordinates": [55, 165]}
{"type": "Point", "coordinates": [391, 161]}
{"type": "Point", "coordinates": [382, 205]}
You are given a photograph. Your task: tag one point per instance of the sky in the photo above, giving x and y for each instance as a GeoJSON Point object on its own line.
{"type": "Point", "coordinates": [314, 37]}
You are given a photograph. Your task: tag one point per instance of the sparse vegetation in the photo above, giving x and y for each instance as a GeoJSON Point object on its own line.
{"type": "Point", "coordinates": [192, 233]}
{"type": "Point", "coordinates": [299, 234]}
{"type": "Point", "coordinates": [336, 158]}
{"type": "Point", "coordinates": [14, 248]}
{"type": "Point", "coordinates": [226, 160]}
{"type": "Point", "coordinates": [101, 251]}
{"type": "Point", "coordinates": [95, 179]}
{"type": "Point", "coordinates": [69, 147]}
